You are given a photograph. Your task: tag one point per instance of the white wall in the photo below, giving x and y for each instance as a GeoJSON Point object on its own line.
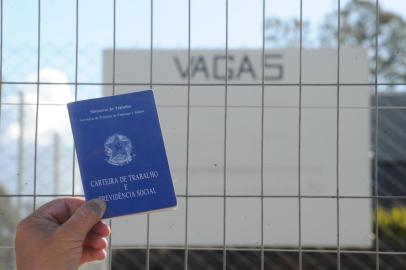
{"type": "Point", "coordinates": [243, 165]}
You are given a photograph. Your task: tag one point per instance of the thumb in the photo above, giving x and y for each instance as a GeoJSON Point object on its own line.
{"type": "Point", "coordinates": [84, 218]}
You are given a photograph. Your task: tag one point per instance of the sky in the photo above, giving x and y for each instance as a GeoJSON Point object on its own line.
{"type": "Point", "coordinates": [133, 21]}
{"type": "Point", "coordinates": [170, 20]}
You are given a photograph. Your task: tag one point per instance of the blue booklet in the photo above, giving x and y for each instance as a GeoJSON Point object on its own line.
{"type": "Point", "coordinates": [121, 153]}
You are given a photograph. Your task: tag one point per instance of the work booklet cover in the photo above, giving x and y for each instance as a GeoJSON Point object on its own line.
{"type": "Point", "coordinates": [121, 153]}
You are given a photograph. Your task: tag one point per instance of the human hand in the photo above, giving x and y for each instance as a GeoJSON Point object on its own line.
{"type": "Point", "coordinates": [62, 235]}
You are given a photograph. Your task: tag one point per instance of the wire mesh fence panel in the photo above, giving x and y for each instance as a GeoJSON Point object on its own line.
{"type": "Point", "coordinates": [283, 124]}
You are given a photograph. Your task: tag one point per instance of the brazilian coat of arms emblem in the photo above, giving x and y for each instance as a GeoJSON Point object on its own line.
{"type": "Point", "coordinates": [118, 150]}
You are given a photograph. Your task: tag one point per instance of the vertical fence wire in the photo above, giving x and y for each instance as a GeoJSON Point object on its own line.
{"type": "Point", "coordinates": [338, 134]}
{"type": "Point", "coordinates": [110, 249]}
{"type": "Point", "coordinates": [1, 59]}
{"type": "Point", "coordinates": [225, 146]}
{"type": "Point", "coordinates": [76, 88]}
{"type": "Point", "coordinates": [262, 134]}
{"type": "Point", "coordinates": [151, 58]}
{"type": "Point", "coordinates": [376, 191]}
{"type": "Point", "coordinates": [186, 259]}
{"type": "Point", "coordinates": [300, 138]}
{"type": "Point", "coordinates": [37, 105]}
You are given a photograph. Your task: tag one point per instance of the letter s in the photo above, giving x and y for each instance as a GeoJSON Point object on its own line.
{"type": "Point", "coordinates": [276, 69]}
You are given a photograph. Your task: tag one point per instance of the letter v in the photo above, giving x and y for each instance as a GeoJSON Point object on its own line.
{"type": "Point", "coordinates": [182, 72]}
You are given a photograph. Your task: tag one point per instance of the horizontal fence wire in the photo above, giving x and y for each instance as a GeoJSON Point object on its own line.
{"type": "Point", "coordinates": [372, 108]}
{"type": "Point", "coordinates": [400, 197]}
{"type": "Point", "coordinates": [257, 249]}
{"type": "Point", "coordinates": [202, 84]}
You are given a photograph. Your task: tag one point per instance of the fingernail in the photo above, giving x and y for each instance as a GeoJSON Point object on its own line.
{"type": "Point", "coordinates": [97, 206]}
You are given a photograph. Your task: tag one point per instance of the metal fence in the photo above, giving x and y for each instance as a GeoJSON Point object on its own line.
{"type": "Point", "coordinates": [38, 165]}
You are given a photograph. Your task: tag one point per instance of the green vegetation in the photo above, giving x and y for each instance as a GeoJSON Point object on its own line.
{"type": "Point", "coordinates": [358, 29]}
{"type": "Point", "coordinates": [392, 223]}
